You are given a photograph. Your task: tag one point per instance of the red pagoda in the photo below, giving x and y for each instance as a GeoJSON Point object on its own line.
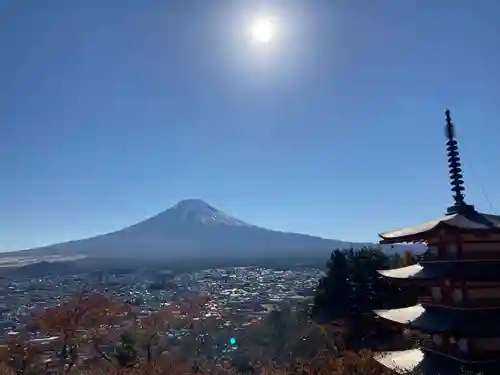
{"type": "Point", "coordinates": [457, 321]}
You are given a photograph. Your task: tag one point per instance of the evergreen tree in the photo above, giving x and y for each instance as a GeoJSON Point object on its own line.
{"type": "Point", "coordinates": [126, 353]}
{"type": "Point", "coordinates": [353, 288]}
{"type": "Point", "coordinates": [331, 300]}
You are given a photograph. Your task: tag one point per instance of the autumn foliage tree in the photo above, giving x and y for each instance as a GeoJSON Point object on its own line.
{"type": "Point", "coordinates": [91, 330]}
{"type": "Point", "coordinates": [81, 323]}
{"type": "Point", "coordinates": [92, 334]}
{"type": "Point", "coordinates": [19, 356]}
{"type": "Point", "coordinates": [95, 335]}
{"type": "Point", "coordinates": [285, 342]}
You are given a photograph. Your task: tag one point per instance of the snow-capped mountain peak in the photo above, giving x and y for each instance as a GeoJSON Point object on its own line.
{"type": "Point", "coordinates": [189, 230]}
{"type": "Point", "coordinates": [198, 211]}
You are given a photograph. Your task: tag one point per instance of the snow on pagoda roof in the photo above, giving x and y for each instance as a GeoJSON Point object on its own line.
{"type": "Point", "coordinates": [471, 221]}
{"type": "Point", "coordinates": [420, 318]}
{"type": "Point", "coordinates": [409, 272]}
{"type": "Point", "coordinates": [418, 362]}
{"type": "Point", "coordinates": [404, 315]}
{"type": "Point", "coordinates": [402, 361]}
{"type": "Point", "coordinates": [476, 271]}
{"type": "Point", "coordinates": [445, 320]}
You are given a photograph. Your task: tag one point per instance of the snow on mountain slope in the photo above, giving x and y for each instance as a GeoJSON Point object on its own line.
{"type": "Point", "coordinates": [197, 211]}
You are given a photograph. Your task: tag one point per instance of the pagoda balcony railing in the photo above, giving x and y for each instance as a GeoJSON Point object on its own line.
{"type": "Point", "coordinates": [469, 256]}
{"type": "Point", "coordinates": [424, 342]}
{"type": "Point", "coordinates": [426, 300]}
{"type": "Point", "coordinates": [475, 303]}
{"type": "Point", "coordinates": [455, 352]}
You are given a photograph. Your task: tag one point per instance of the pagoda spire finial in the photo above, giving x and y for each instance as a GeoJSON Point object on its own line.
{"type": "Point", "coordinates": [455, 169]}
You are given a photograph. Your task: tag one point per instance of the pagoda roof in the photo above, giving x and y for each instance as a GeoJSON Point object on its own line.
{"type": "Point", "coordinates": [401, 361]}
{"type": "Point", "coordinates": [468, 221]}
{"type": "Point", "coordinates": [422, 362]}
{"type": "Point", "coordinates": [415, 271]}
{"type": "Point", "coordinates": [404, 315]}
{"type": "Point", "coordinates": [487, 271]}
{"type": "Point", "coordinates": [446, 320]}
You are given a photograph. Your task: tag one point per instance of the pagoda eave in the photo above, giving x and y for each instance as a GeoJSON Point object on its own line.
{"type": "Point", "coordinates": [404, 315]}
{"type": "Point", "coordinates": [432, 272]}
{"type": "Point", "coordinates": [442, 320]}
{"type": "Point", "coordinates": [415, 271]}
{"type": "Point", "coordinates": [471, 223]}
{"type": "Point", "coordinates": [402, 362]}
{"type": "Point", "coordinates": [428, 362]}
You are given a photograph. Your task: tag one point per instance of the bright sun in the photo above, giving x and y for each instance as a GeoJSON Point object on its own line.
{"type": "Point", "coordinates": [262, 31]}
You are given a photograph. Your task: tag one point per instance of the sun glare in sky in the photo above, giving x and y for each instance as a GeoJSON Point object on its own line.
{"type": "Point", "coordinates": [262, 31]}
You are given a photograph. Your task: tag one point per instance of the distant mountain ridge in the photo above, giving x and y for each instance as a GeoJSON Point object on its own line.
{"type": "Point", "coordinates": [194, 229]}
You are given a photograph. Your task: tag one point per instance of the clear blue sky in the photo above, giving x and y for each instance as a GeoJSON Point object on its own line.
{"type": "Point", "coordinates": [111, 111]}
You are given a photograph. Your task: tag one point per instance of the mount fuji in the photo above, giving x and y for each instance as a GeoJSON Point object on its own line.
{"type": "Point", "coordinates": [192, 229]}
